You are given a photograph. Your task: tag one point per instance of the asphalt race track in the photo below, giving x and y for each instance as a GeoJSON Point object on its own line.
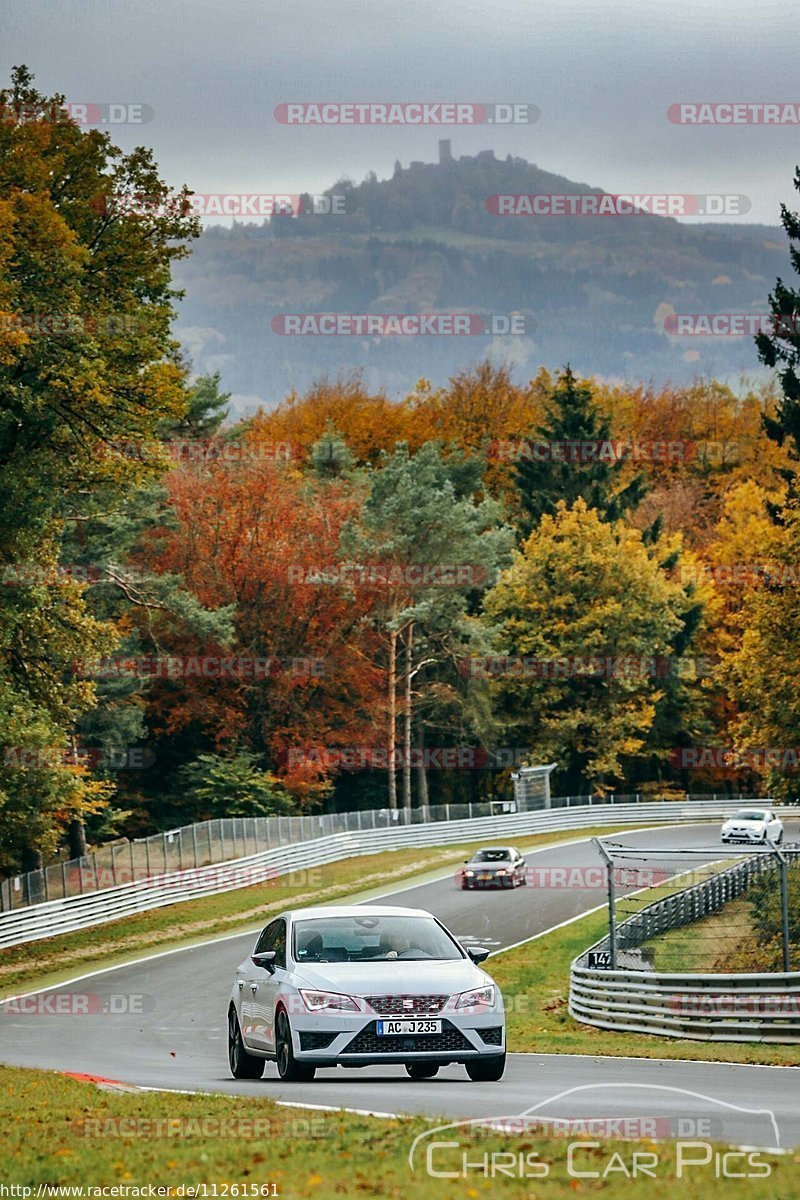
{"type": "Point", "coordinates": [176, 1038]}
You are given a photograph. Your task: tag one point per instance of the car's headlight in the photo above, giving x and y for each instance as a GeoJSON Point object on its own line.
{"type": "Point", "coordinates": [330, 1001]}
{"type": "Point", "coordinates": [480, 998]}
{"type": "Point", "coordinates": [469, 872]}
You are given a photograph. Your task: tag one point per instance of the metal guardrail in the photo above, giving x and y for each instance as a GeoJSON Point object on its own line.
{"type": "Point", "coordinates": [230, 838]}
{"type": "Point", "coordinates": [712, 1008]}
{"type": "Point", "coordinates": [95, 908]}
{"type": "Point", "coordinates": [732, 1007]}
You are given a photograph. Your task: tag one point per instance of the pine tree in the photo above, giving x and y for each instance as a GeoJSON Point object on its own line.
{"type": "Point", "coordinates": [780, 349]}
{"type": "Point", "coordinates": [561, 464]}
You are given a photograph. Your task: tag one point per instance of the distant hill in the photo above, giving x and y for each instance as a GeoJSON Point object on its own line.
{"type": "Point", "coordinates": [594, 289]}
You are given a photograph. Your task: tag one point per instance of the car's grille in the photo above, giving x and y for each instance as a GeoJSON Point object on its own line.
{"type": "Point", "coordinates": [493, 1036]}
{"type": "Point", "coordinates": [316, 1039]}
{"type": "Point", "coordinates": [368, 1042]}
{"type": "Point", "coordinates": [391, 1006]}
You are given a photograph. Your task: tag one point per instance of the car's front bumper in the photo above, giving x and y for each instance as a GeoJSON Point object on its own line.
{"type": "Point", "coordinates": [343, 1039]}
{"type": "Point", "coordinates": [487, 879]}
{"type": "Point", "coordinates": [743, 835]}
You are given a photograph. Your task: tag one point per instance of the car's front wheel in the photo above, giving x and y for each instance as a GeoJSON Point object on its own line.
{"type": "Point", "coordinates": [289, 1068]}
{"type": "Point", "coordinates": [420, 1070]}
{"type": "Point", "coordinates": [242, 1064]}
{"type": "Point", "coordinates": [487, 1070]}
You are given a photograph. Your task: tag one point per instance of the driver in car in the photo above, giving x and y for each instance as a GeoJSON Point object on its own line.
{"type": "Point", "coordinates": [393, 945]}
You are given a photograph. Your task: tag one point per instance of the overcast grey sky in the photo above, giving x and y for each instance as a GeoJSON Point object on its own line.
{"type": "Point", "coordinates": [602, 72]}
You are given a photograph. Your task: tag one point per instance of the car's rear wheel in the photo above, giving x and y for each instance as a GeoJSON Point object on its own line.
{"type": "Point", "coordinates": [487, 1070]}
{"type": "Point", "coordinates": [289, 1068]}
{"type": "Point", "coordinates": [242, 1064]}
{"type": "Point", "coordinates": [420, 1070]}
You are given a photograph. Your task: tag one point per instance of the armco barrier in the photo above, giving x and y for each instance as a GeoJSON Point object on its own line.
{"type": "Point", "coordinates": [712, 1008]}
{"type": "Point", "coordinates": [224, 839]}
{"type": "Point", "coordinates": [83, 911]}
{"type": "Point", "coordinates": [740, 1007]}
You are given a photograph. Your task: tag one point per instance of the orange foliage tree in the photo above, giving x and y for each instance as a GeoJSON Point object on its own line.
{"type": "Point", "coordinates": [254, 534]}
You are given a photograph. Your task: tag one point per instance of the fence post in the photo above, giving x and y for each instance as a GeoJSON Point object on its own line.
{"type": "Point", "coordinates": [612, 912]}
{"type": "Point", "coordinates": [113, 864]}
{"type": "Point", "coordinates": [194, 844]}
{"type": "Point", "coordinates": [784, 908]}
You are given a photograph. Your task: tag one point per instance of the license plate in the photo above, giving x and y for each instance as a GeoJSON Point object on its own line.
{"type": "Point", "coordinates": [400, 1028]}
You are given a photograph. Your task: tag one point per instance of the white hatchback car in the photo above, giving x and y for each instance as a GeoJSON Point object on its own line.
{"type": "Point", "coordinates": [356, 986]}
{"type": "Point", "coordinates": [753, 825]}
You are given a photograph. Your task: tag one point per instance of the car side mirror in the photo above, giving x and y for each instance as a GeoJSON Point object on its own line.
{"type": "Point", "coordinates": [265, 959]}
{"type": "Point", "coordinates": [478, 954]}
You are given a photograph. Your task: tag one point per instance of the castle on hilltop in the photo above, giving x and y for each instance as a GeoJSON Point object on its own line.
{"type": "Point", "coordinates": [446, 157]}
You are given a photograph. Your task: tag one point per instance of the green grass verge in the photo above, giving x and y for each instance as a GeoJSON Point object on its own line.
{"type": "Point", "coordinates": [60, 1131]}
{"type": "Point", "coordinates": [37, 964]}
{"type": "Point", "coordinates": [534, 979]}
{"type": "Point", "coordinates": [705, 945]}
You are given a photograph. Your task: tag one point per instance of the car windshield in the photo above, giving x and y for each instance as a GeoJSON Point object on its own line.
{"type": "Point", "coordinates": [490, 856]}
{"type": "Point", "coordinates": [749, 814]}
{"type": "Point", "coordinates": [372, 938]}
